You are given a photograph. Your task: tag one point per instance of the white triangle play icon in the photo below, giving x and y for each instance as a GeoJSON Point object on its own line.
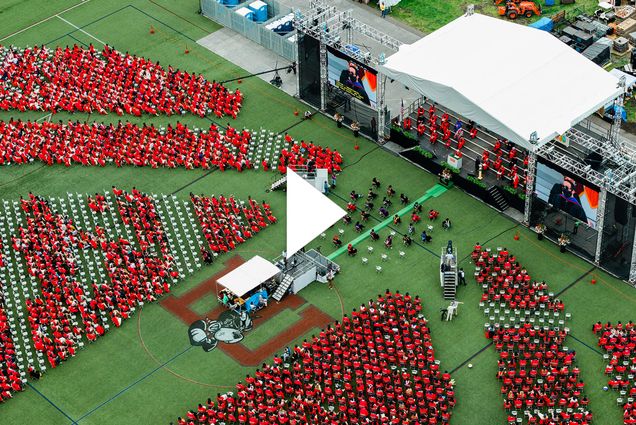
{"type": "Point", "coordinates": [309, 213]}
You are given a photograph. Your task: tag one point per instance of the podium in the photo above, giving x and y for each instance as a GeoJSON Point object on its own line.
{"type": "Point", "coordinates": [454, 161]}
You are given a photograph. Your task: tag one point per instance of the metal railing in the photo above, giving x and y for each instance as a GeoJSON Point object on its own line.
{"type": "Point", "coordinates": [257, 32]}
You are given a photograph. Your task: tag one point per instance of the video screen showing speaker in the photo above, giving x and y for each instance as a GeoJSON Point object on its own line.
{"type": "Point", "coordinates": [567, 193]}
{"type": "Point", "coordinates": [352, 77]}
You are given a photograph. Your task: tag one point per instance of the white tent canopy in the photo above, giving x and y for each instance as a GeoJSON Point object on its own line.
{"type": "Point", "coordinates": [512, 79]}
{"type": "Point", "coordinates": [248, 276]}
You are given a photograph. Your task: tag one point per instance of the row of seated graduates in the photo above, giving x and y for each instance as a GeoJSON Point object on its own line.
{"type": "Point", "coordinates": [140, 270]}
{"type": "Point", "coordinates": [67, 309]}
{"type": "Point", "coordinates": [226, 222]}
{"type": "Point", "coordinates": [10, 380]}
{"type": "Point", "coordinates": [87, 80]}
{"type": "Point", "coordinates": [540, 379]}
{"type": "Point", "coordinates": [505, 280]}
{"type": "Point", "coordinates": [124, 143]}
{"type": "Point", "coordinates": [376, 366]}
{"type": "Point", "coordinates": [619, 343]}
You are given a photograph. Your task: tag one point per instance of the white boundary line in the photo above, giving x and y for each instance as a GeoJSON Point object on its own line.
{"type": "Point", "coordinates": [46, 117]}
{"type": "Point", "coordinates": [43, 20]}
{"type": "Point", "coordinates": [81, 30]}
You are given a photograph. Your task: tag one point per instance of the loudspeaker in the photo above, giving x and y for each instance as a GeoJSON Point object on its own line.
{"type": "Point", "coordinates": [620, 211]}
{"type": "Point", "coordinates": [594, 160]}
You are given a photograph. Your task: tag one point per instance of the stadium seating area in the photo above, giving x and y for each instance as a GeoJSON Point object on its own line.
{"type": "Point", "coordinates": [227, 222]}
{"type": "Point", "coordinates": [619, 343]}
{"type": "Point", "coordinates": [382, 353]}
{"type": "Point", "coordinates": [75, 79]}
{"type": "Point", "coordinates": [540, 381]}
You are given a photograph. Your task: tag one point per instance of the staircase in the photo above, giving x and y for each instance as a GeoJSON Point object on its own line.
{"type": "Point", "coordinates": [282, 288]}
{"type": "Point", "coordinates": [497, 198]}
{"type": "Point", "coordinates": [448, 278]}
{"type": "Point", "coordinates": [279, 184]}
{"type": "Point", "coordinates": [450, 285]}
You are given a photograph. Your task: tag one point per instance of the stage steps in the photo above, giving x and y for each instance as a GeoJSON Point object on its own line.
{"type": "Point", "coordinates": [280, 183]}
{"type": "Point", "coordinates": [282, 288]}
{"type": "Point", "coordinates": [498, 198]}
{"type": "Point", "coordinates": [450, 285]}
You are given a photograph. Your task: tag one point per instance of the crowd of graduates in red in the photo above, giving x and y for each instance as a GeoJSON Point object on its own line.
{"type": "Point", "coordinates": [99, 144]}
{"type": "Point", "coordinates": [511, 282]}
{"type": "Point", "coordinates": [301, 153]}
{"type": "Point", "coordinates": [66, 310]}
{"type": "Point", "coordinates": [441, 128]}
{"type": "Point", "coordinates": [227, 222]}
{"type": "Point", "coordinates": [10, 380]}
{"type": "Point", "coordinates": [47, 244]}
{"type": "Point", "coordinates": [74, 79]}
{"type": "Point", "coordinates": [619, 342]}
{"type": "Point", "coordinates": [375, 367]}
{"type": "Point", "coordinates": [537, 372]}
{"type": "Point", "coordinates": [138, 272]}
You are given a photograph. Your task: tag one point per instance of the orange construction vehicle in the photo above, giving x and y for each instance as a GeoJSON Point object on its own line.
{"type": "Point", "coordinates": [526, 8]}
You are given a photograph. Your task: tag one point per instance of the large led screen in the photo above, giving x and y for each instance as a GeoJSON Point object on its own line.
{"type": "Point", "coordinates": [352, 77]}
{"type": "Point", "coordinates": [568, 194]}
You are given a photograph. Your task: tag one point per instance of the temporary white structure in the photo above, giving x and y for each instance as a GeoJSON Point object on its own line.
{"type": "Point", "coordinates": [309, 213]}
{"type": "Point", "coordinates": [248, 276]}
{"type": "Point", "coordinates": [512, 79]}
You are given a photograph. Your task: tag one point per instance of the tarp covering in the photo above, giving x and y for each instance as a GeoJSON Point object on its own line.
{"type": "Point", "coordinates": [543, 24]}
{"type": "Point", "coordinates": [248, 276]}
{"type": "Point", "coordinates": [509, 78]}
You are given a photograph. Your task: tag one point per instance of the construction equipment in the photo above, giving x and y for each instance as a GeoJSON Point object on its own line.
{"type": "Point", "coordinates": [513, 10]}
{"type": "Point", "coordinates": [498, 2]}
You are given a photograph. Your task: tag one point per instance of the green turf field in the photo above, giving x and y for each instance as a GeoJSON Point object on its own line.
{"type": "Point", "coordinates": [146, 371]}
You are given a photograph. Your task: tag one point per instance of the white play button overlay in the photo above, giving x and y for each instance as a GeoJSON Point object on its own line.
{"type": "Point", "coordinates": [309, 213]}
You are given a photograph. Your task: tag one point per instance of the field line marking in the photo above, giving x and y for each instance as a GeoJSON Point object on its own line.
{"type": "Point", "coordinates": [81, 30]}
{"type": "Point", "coordinates": [44, 20]}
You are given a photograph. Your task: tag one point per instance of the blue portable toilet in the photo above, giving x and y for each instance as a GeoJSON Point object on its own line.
{"type": "Point", "coordinates": [549, 2]}
{"type": "Point", "coordinates": [230, 2]}
{"type": "Point", "coordinates": [246, 13]}
{"type": "Point", "coordinates": [260, 10]}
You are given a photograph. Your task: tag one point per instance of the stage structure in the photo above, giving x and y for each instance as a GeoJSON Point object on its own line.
{"type": "Point", "coordinates": [572, 180]}
{"type": "Point", "coordinates": [338, 59]}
